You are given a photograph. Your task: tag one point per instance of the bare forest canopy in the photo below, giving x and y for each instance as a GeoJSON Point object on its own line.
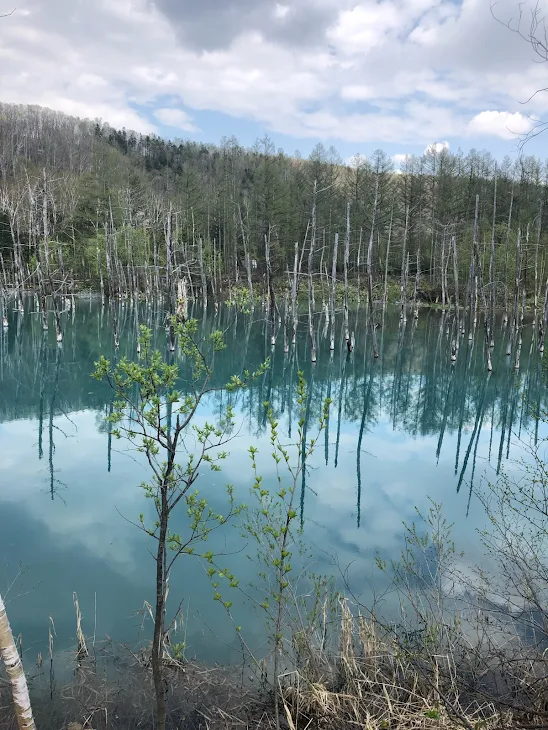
{"type": "Point", "coordinates": [85, 205]}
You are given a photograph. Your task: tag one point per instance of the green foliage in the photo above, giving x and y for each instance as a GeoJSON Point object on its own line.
{"type": "Point", "coordinates": [274, 528]}
{"type": "Point", "coordinates": [240, 299]}
{"type": "Point", "coordinates": [156, 416]}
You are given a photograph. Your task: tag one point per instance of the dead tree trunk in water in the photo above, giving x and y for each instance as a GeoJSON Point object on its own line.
{"type": "Point", "coordinates": [358, 265]}
{"type": "Point", "coordinates": [514, 319]}
{"type": "Point", "coordinates": [491, 281]}
{"type": "Point", "coordinates": [182, 300]}
{"type": "Point", "coordinates": [46, 255]}
{"type": "Point", "coordinates": [508, 227]}
{"type": "Point", "coordinates": [247, 258]}
{"type": "Point", "coordinates": [403, 286]}
{"type": "Point", "coordinates": [537, 246]}
{"type": "Point", "coordinates": [416, 289]}
{"type": "Point", "coordinates": [294, 292]}
{"type": "Point", "coordinates": [286, 321]}
{"type": "Point", "coordinates": [456, 280]}
{"type": "Point", "coordinates": [43, 300]}
{"type": "Point", "coordinates": [385, 295]}
{"type": "Point", "coordinates": [332, 293]}
{"type": "Point", "coordinates": [311, 313]}
{"type": "Point", "coordinates": [370, 273]}
{"type": "Point", "coordinates": [270, 288]}
{"type": "Point", "coordinates": [476, 254]}
{"type": "Point", "coordinates": [346, 261]}
{"type": "Point", "coordinates": [169, 278]}
{"type": "Point", "coordinates": [202, 271]}
{"type": "Point", "coordinates": [471, 298]}
{"type": "Point", "coordinates": [443, 290]}
{"type": "Point", "coordinates": [519, 332]}
{"type": "Point", "coordinates": [459, 327]}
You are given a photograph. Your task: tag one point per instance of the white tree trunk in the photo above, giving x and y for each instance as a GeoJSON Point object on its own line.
{"type": "Point", "coordinates": [15, 672]}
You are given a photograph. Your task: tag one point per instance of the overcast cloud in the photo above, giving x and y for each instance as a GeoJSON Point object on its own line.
{"type": "Point", "coordinates": [395, 71]}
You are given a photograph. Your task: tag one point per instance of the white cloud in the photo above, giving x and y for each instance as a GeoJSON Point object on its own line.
{"type": "Point", "coordinates": [175, 118]}
{"type": "Point", "coordinates": [365, 26]}
{"type": "Point", "coordinates": [436, 147]}
{"type": "Point", "coordinates": [500, 124]}
{"type": "Point", "coordinates": [398, 160]}
{"type": "Point", "coordinates": [281, 11]}
{"type": "Point", "coordinates": [357, 92]}
{"type": "Point", "coordinates": [116, 117]}
{"type": "Point", "coordinates": [391, 71]}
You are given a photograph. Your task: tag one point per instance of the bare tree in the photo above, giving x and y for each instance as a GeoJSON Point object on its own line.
{"type": "Point", "coordinates": [530, 25]}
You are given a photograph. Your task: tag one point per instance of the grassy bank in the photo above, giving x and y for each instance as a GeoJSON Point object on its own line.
{"type": "Point", "coordinates": [368, 679]}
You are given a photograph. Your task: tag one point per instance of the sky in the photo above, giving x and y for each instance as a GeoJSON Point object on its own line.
{"type": "Point", "coordinates": [360, 75]}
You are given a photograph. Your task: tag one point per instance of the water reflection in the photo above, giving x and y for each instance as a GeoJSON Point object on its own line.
{"type": "Point", "coordinates": [409, 425]}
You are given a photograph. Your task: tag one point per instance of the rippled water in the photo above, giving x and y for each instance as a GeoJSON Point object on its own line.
{"type": "Point", "coordinates": [407, 427]}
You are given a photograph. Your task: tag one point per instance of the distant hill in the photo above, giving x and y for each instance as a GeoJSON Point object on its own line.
{"type": "Point", "coordinates": [76, 182]}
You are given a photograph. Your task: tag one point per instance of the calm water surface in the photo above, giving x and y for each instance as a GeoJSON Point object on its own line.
{"type": "Point", "coordinates": [402, 429]}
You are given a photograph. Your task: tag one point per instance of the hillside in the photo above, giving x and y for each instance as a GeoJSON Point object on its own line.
{"type": "Point", "coordinates": [74, 183]}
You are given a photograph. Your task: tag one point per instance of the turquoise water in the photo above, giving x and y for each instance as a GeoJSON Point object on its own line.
{"type": "Point", "coordinates": [407, 427]}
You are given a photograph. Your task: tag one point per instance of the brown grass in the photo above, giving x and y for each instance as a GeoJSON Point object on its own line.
{"type": "Point", "coordinates": [368, 682]}
{"type": "Point", "coordinates": [373, 686]}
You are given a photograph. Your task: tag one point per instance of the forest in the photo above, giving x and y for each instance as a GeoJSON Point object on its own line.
{"type": "Point", "coordinates": [85, 206]}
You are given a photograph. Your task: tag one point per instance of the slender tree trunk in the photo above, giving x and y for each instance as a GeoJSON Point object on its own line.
{"type": "Point", "coordinates": [214, 286]}
{"type": "Point", "coordinates": [537, 246]}
{"type": "Point", "coordinates": [416, 289]}
{"type": "Point", "coordinates": [182, 299]}
{"type": "Point", "coordinates": [508, 228]}
{"type": "Point", "coordinates": [482, 289]}
{"type": "Point", "coordinates": [294, 292]}
{"type": "Point", "coordinates": [456, 281]}
{"type": "Point", "coordinates": [159, 615]}
{"type": "Point", "coordinates": [270, 289]}
{"type": "Point", "coordinates": [471, 280]}
{"type": "Point", "coordinates": [16, 675]}
{"type": "Point", "coordinates": [491, 281]}
{"type": "Point", "coordinates": [311, 303]}
{"type": "Point", "coordinates": [110, 279]}
{"type": "Point", "coordinates": [169, 277]}
{"type": "Point", "coordinates": [358, 264]}
{"type": "Point", "coordinates": [247, 258]}
{"type": "Point", "coordinates": [519, 331]}
{"type": "Point", "coordinates": [517, 282]}
{"type": "Point", "coordinates": [403, 287]}
{"type": "Point", "coordinates": [370, 272]}
{"type": "Point", "coordinates": [202, 271]}
{"type": "Point", "coordinates": [386, 259]}
{"type": "Point", "coordinates": [286, 321]}
{"type": "Point", "coordinates": [332, 293]}
{"type": "Point", "coordinates": [443, 293]}
{"type": "Point", "coordinates": [43, 301]}
{"type": "Point", "coordinates": [346, 261]}
{"type": "Point", "coordinates": [100, 272]}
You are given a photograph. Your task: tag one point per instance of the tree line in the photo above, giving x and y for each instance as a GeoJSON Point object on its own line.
{"type": "Point", "coordinates": [95, 201]}
{"type": "Point", "coordinates": [131, 215]}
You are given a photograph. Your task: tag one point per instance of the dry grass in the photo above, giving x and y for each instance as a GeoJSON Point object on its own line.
{"type": "Point", "coordinates": [368, 682]}
{"type": "Point", "coordinates": [372, 685]}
